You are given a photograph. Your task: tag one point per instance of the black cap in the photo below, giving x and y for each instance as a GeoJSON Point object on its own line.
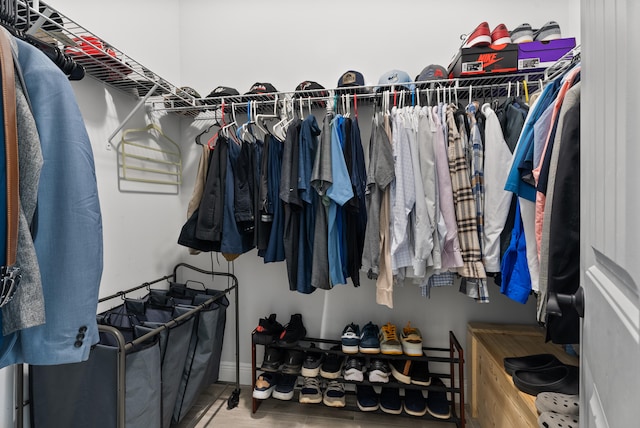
{"type": "Point", "coordinates": [261, 88]}
{"type": "Point", "coordinates": [221, 91]}
{"type": "Point", "coordinates": [314, 89]}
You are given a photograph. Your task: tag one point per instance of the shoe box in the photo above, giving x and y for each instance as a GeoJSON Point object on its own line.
{"type": "Point", "coordinates": [509, 58]}
{"type": "Point", "coordinates": [479, 61]}
{"type": "Point", "coordinates": [539, 55]}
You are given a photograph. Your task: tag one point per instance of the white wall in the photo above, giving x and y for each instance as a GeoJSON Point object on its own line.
{"type": "Point", "coordinates": [204, 44]}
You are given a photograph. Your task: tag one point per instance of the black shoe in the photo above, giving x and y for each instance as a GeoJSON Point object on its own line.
{"type": "Point", "coordinates": [354, 369]}
{"type": "Point", "coordinates": [419, 373]}
{"type": "Point", "coordinates": [268, 329]}
{"type": "Point", "coordinates": [284, 388]}
{"type": "Point", "coordinates": [564, 379]}
{"type": "Point", "coordinates": [293, 362]}
{"type": "Point", "coordinates": [292, 332]}
{"type": "Point", "coordinates": [401, 370]}
{"type": "Point", "coordinates": [437, 403]}
{"type": "Point", "coordinates": [367, 398]}
{"type": "Point", "coordinates": [530, 362]}
{"type": "Point", "coordinates": [312, 361]}
{"type": "Point", "coordinates": [390, 401]}
{"type": "Point", "coordinates": [414, 402]}
{"type": "Point", "coordinates": [332, 365]}
{"type": "Point", "coordinates": [273, 359]}
{"type": "Point", "coordinates": [378, 371]}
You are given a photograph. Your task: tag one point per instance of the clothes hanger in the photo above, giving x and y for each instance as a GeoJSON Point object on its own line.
{"type": "Point", "coordinates": [259, 118]}
{"type": "Point", "coordinates": [212, 141]}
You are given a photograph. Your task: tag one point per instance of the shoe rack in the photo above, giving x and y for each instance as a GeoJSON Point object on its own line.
{"type": "Point", "coordinates": [451, 357]}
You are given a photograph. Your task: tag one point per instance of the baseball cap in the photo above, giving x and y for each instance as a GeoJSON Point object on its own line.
{"type": "Point", "coordinates": [261, 88]}
{"type": "Point", "coordinates": [396, 77]}
{"type": "Point", "coordinates": [432, 72]}
{"type": "Point", "coordinates": [221, 91]}
{"type": "Point", "coordinates": [351, 78]}
{"type": "Point", "coordinates": [311, 89]}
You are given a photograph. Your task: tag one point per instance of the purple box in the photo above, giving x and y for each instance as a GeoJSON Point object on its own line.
{"type": "Point", "coordinates": [540, 55]}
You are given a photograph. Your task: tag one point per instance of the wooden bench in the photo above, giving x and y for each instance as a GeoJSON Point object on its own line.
{"type": "Point", "coordinates": [495, 401]}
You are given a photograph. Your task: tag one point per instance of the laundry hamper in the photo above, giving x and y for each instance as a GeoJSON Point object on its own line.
{"type": "Point", "coordinates": [151, 386]}
{"type": "Point", "coordinates": [202, 366]}
{"type": "Point", "coordinates": [85, 394]}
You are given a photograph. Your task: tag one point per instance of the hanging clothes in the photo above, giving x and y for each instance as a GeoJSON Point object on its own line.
{"type": "Point", "coordinates": [273, 208]}
{"type": "Point", "coordinates": [497, 200]}
{"type": "Point", "coordinates": [451, 252]}
{"type": "Point", "coordinates": [68, 238]}
{"type": "Point", "coordinates": [338, 194]}
{"type": "Point", "coordinates": [564, 231]}
{"type": "Point", "coordinates": [472, 270]}
{"type": "Point", "coordinates": [516, 281]}
{"type": "Point", "coordinates": [355, 208]}
{"type": "Point", "coordinates": [309, 132]}
{"type": "Point", "coordinates": [379, 175]}
{"type": "Point", "coordinates": [403, 196]}
{"type": "Point", "coordinates": [571, 98]}
{"type": "Point", "coordinates": [292, 203]}
{"type": "Point", "coordinates": [321, 180]}
{"type": "Point", "coordinates": [235, 241]}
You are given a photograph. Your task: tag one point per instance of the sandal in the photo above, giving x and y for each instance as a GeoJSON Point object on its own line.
{"type": "Point", "coordinates": [556, 420]}
{"type": "Point", "coordinates": [556, 402]}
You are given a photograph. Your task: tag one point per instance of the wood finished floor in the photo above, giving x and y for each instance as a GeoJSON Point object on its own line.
{"type": "Point", "coordinates": [211, 410]}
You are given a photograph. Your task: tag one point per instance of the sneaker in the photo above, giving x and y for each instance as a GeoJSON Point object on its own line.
{"type": "Point", "coordinates": [481, 36]}
{"type": "Point", "coordinates": [390, 401]}
{"type": "Point", "coordinates": [500, 35]}
{"type": "Point", "coordinates": [378, 371]}
{"type": "Point", "coordinates": [334, 395]}
{"type": "Point", "coordinates": [292, 332]}
{"type": "Point", "coordinates": [265, 384]}
{"type": "Point", "coordinates": [437, 403]}
{"type": "Point", "coordinates": [401, 369]}
{"type": "Point", "coordinates": [367, 398]}
{"type": "Point", "coordinates": [312, 361]}
{"type": "Point", "coordinates": [285, 386]}
{"type": "Point", "coordinates": [414, 402]}
{"type": "Point", "coordinates": [273, 359]}
{"type": "Point", "coordinates": [310, 392]}
{"type": "Point", "coordinates": [549, 31]}
{"type": "Point", "coordinates": [332, 365]}
{"type": "Point", "coordinates": [267, 330]}
{"type": "Point", "coordinates": [522, 34]}
{"type": "Point", "coordinates": [354, 369]}
{"type": "Point", "coordinates": [293, 361]}
{"type": "Point", "coordinates": [411, 339]}
{"type": "Point", "coordinates": [350, 339]}
{"type": "Point", "coordinates": [389, 343]}
{"type": "Point", "coordinates": [419, 373]}
{"type": "Point", "coordinates": [369, 341]}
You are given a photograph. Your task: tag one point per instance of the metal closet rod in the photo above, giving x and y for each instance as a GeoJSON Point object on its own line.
{"type": "Point", "coordinates": [352, 91]}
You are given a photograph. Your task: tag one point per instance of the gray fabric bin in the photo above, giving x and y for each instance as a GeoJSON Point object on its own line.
{"type": "Point", "coordinates": [82, 395]}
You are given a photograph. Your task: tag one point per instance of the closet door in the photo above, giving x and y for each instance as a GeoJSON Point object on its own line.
{"type": "Point", "coordinates": [610, 213]}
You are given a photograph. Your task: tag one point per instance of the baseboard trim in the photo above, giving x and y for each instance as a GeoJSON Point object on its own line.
{"type": "Point", "coordinates": [228, 372]}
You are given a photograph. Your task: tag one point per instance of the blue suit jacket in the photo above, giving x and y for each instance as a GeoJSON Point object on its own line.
{"type": "Point", "coordinates": [68, 232]}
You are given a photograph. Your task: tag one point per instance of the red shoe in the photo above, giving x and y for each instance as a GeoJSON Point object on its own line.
{"type": "Point", "coordinates": [481, 36]}
{"type": "Point", "coordinates": [500, 35]}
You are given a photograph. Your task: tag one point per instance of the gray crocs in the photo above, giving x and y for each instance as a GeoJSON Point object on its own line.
{"type": "Point", "coordinates": [557, 402]}
{"type": "Point", "coordinates": [556, 420]}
